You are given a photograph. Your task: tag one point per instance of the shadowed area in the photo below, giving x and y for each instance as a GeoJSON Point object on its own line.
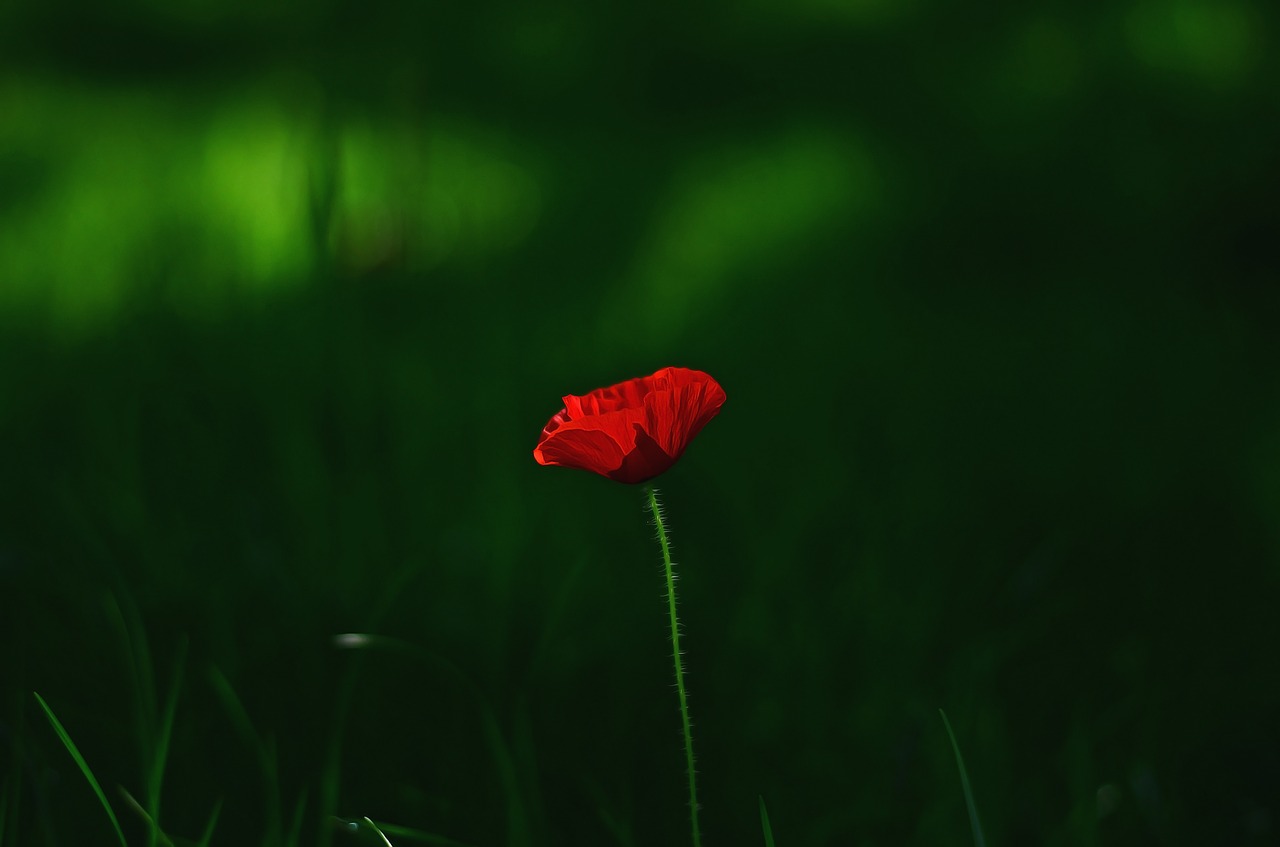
{"type": "Point", "coordinates": [287, 293]}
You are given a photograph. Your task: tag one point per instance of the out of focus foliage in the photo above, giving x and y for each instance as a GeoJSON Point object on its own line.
{"type": "Point", "coordinates": [288, 290]}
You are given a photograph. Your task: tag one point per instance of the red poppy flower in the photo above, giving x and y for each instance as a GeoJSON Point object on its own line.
{"type": "Point", "coordinates": [632, 431]}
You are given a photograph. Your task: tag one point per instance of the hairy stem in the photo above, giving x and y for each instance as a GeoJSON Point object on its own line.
{"type": "Point", "coordinates": [676, 655]}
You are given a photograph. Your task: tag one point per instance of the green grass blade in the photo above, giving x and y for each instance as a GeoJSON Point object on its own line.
{"type": "Point", "coordinates": [82, 764]}
{"type": "Point", "coordinates": [384, 838]}
{"type": "Point", "coordinates": [235, 709]}
{"type": "Point", "coordinates": [264, 749]}
{"type": "Point", "coordinates": [517, 820]}
{"type": "Point", "coordinates": [620, 831]}
{"type": "Point", "coordinates": [137, 655]}
{"type": "Point", "coordinates": [331, 771]}
{"type": "Point", "coordinates": [156, 834]}
{"type": "Point", "coordinates": [764, 824]}
{"type": "Point", "coordinates": [503, 758]}
{"type": "Point", "coordinates": [974, 823]}
{"type": "Point", "coordinates": [295, 828]}
{"type": "Point", "coordinates": [417, 835]}
{"type": "Point", "coordinates": [160, 755]}
{"type": "Point", "coordinates": [207, 835]}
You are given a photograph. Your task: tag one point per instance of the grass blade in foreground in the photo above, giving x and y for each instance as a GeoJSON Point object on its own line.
{"type": "Point", "coordinates": [155, 834]}
{"type": "Point", "coordinates": [263, 748]}
{"type": "Point", "coordinates": [384, 838]}
{"type": "Point", "coordinates": [978, 840]}
{"type": "Point", "coordinates": [764, 824]}
{"type": "Point", "coordinates": [207, 835]}
{"type": "Point", "coordinates": [160, 752]}
{"type": "Point", "coordinates": [416, 835]}
{"type": "Point", "coordinates": [82, 764]}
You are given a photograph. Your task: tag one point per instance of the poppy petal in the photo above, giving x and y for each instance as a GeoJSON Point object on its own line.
{"type": "Point", "coordinates": [646, 461]}
{"type": "Point", "coordinates": [624, 395]}
{"type": "Point", "coordinates": [676, 415]}
{"type": "Point", "coordinates": [587, 449]}
{"type": "Point", "coordinates": [634, 430]}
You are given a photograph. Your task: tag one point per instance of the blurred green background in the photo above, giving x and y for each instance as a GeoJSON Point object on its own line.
{"type": "Point", "coordinates": [288, 290]}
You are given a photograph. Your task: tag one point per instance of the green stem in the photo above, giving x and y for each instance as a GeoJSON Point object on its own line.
{"type": "Point", "coordinates": [676, 655]}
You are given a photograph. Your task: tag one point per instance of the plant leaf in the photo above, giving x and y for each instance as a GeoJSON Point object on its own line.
{"type": "Point", "coordinates": [82, 764]}
{"type": "Point", "coordinates": [974, 823]}
{"type": "Point", "coordinates": [764, 824]}
{"type": "Point", "coordinates": [207, 836]}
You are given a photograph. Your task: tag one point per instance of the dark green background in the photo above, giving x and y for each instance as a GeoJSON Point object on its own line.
{"type": "Point", "coordinates": [287, 292]}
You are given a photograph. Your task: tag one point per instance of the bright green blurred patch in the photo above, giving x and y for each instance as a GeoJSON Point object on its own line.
{"type": "Point", "coordinates": [1216, 43]}
{"type": "Point", "coordinates": [734, 211]}
{"type": "Point", "coordinates": [140, 186]}
{"type": "Point", "coordinates": [111, 195]}
{"type": "Point", "coordinates": [423, 198]}
{"type": "Point", "coordinates": [251, 189]}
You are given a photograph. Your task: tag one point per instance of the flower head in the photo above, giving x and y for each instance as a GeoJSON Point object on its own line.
{"type": "Point", "coordinates": [632, 431]}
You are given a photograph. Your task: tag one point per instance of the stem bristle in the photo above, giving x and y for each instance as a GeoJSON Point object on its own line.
{"type": "Point", "coordinates": [676, 653]}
